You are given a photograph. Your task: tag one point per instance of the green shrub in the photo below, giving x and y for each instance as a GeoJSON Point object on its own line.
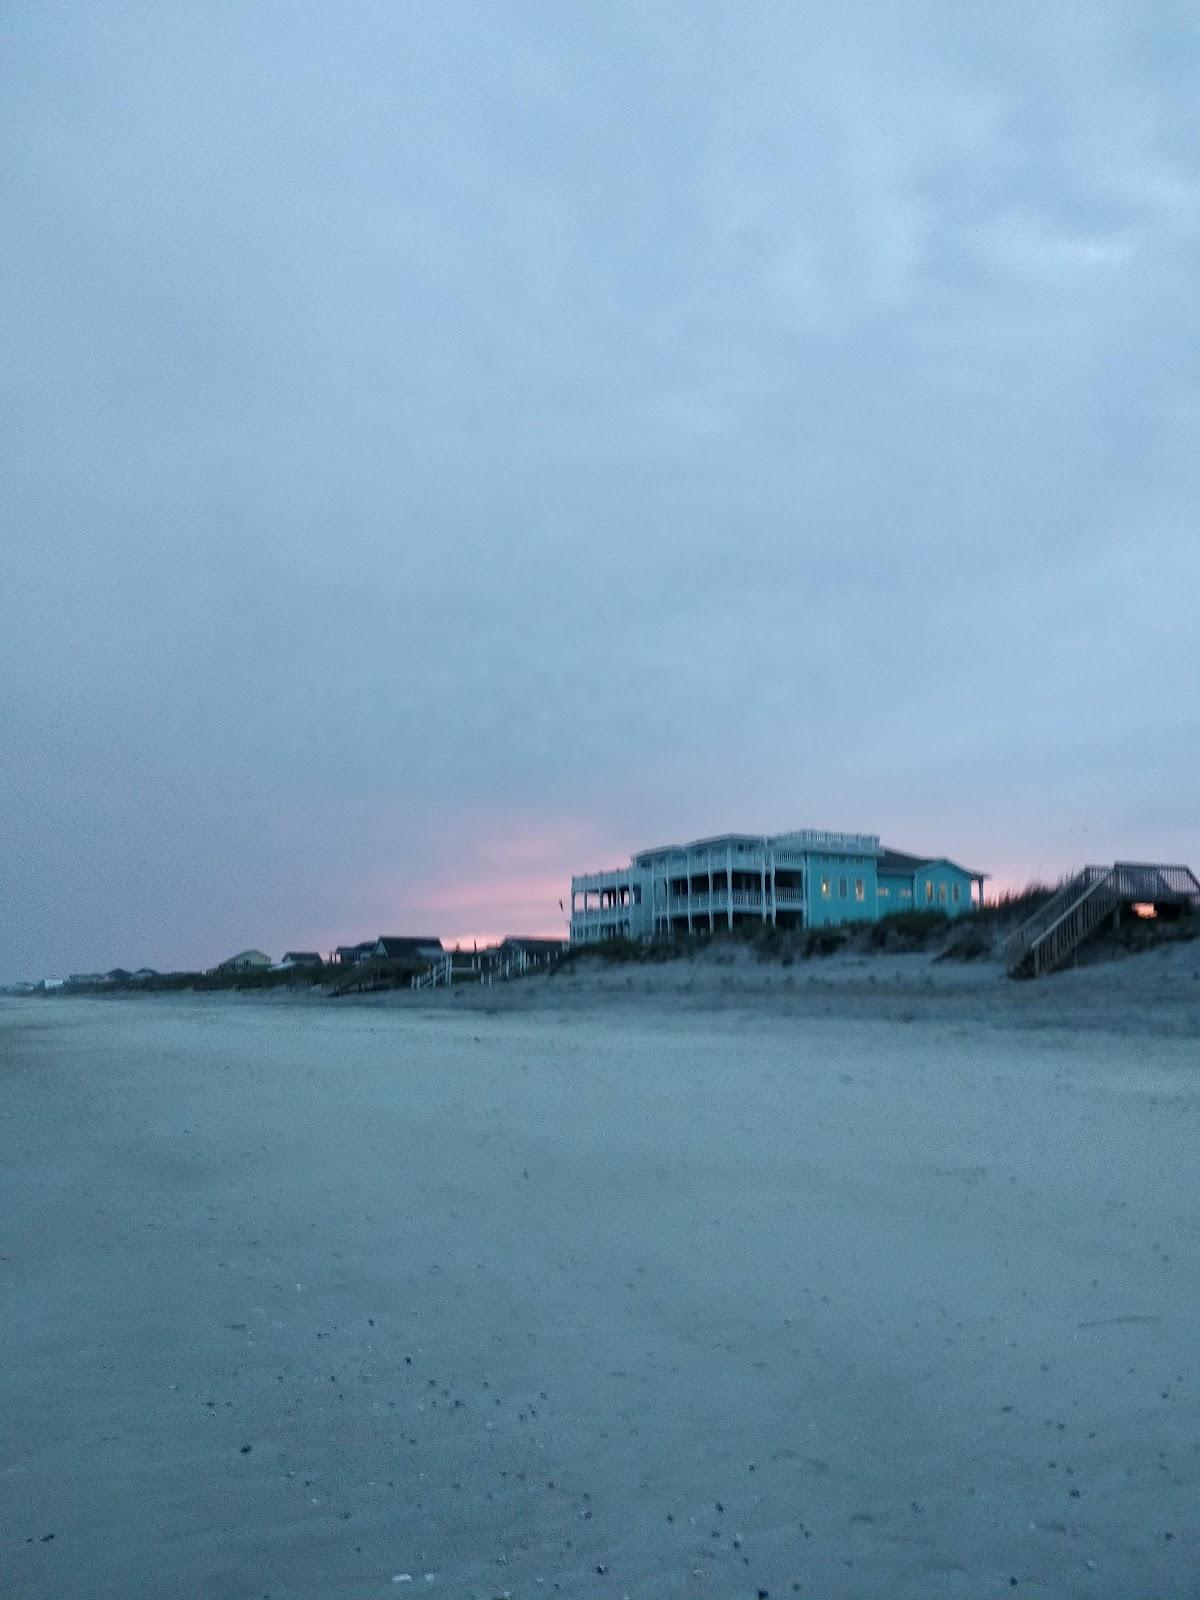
{"type": "Point", "coordinates": [969, 945]}
{"type": "Point", "coordinates": [827, 941]}
{"type": "Point", "coordinates": [913, 929]}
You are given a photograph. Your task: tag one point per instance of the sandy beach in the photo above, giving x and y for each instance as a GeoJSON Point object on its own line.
{"type": "Point", "coordinates": [652, 1283]}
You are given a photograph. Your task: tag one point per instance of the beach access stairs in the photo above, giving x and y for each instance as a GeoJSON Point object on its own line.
{"type": "Point", "coordinates": [515, 964]}
{"type": "Point", "coordinates": [437, 974]}
{"type": "Point", "coordinates": [484, 967]}
{"type": "Point", "coordinates": [1083, 905]}
{"type": "Point", "coordinates": [382, 973]}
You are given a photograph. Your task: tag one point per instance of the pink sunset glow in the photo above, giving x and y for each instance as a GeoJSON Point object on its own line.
{"type": "Point", "coordinates": [498, 875]}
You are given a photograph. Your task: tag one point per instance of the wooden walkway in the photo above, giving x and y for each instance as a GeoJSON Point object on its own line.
{"type": "Point", "coordinates": [381, 974]}
{"type": "Point", "coordinates": [1092, 898]}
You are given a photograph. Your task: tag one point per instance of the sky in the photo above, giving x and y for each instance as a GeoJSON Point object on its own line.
{"type": "Point", "coordinates": [447, 447]}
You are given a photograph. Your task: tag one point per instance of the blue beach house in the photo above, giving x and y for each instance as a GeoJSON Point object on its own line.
{"type": "Point", "coordinates": [921, 883]}
{"type": "Point", "coordinates": [804, 879]}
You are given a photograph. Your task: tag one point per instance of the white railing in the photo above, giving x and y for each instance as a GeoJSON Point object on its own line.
{"type": "Point", "coordinates": [513, 966]}
{"type": "Point", "coordinates": [854, 844]}
{"type": "Point", "coordinates": [722, 900]}
{"type": "Point", "coordinates": [516, 965]}
{"type": "Point", "coordinates": [1156, 884]}
{"type": "Point", "coordinates": [440, 973]}
{"type": "Point", "coordinates": [1018, 946]}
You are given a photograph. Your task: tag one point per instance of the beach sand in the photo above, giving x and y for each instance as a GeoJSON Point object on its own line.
{"type": "Point", "coordinates": [677, 1283]}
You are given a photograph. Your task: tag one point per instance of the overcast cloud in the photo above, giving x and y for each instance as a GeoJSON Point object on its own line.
{"type": "Point", "coordinates": [451, 445]}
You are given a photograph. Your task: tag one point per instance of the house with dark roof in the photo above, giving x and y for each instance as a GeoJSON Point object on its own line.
{"type": "Point", "coordinates": [533, 950]}
{"type": "Point", "coordinates": [422, 947]}
{"type": "Point", "coordinates": [517, 953]}
{"type": "Point", "coordinates": [349, 955]}
{"type": "Point", "coordinates": [301, 958]}
{"type": "Point", "coordinates": [390, 947]}
{"type": "Point", "coordinates": [906, 882]}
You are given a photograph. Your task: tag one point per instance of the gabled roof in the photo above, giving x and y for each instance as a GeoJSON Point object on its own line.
{"type": "Point", "coordinates": [518, 941]}
{"type": "Point", "coordinates": [900, 862]}
{"type": "Point", "coordinates": [301, 955]}
{"type": "Point", "coordinates": [388, 945]}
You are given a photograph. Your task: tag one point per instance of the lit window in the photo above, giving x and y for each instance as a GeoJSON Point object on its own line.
{"type": "Point", "coordinates": [942, 893]}
{"type": "Point", "coordinates": [883, 893]}
{"type": "Point", "coordinates": [824, 888]}
{"type": "Point", "coordinates": [843, 888]}
{"type": "Point", "coordinates": [929, 890]}
{"type": "Point", "coordinates": [906, 894]}
{"type": "Point", "coordinates": [860, 889]}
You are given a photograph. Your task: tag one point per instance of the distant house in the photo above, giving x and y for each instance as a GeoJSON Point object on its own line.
{"type": "Point", "coordinates": [533, 949]}
{"type": "Point", "coordinates": [920, 883]}
{"type": "Point", "coordinates": [519, 954]}
{"type": "Point", "coordinates": [420, 947]}
{"type": "Point", "coordinates": [143, 973]}
{"type": "Point", "coordinates": [118, 975]}
{"type": "Point", "coordinates": [349, 955]}
{"type": "Point", "coordinates": [245, 961]}
{"type": "Point", "coordinates": [301, 958]}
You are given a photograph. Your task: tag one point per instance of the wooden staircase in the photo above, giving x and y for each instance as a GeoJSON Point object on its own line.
{"type": "Point", "coordinates": [381, 973]}
{"type": "Point", "coordinates": [1083, 904]}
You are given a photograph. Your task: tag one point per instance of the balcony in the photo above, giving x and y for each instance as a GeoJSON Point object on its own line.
{"type": "Point", "coordinates": [740, 900]}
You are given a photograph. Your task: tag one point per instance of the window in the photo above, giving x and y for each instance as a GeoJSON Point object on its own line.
{"type": "Point", "coordinates": [906, 894]}
{"type": "Point", "coordinates": [883, 893]}
{"type": "Point", "coordinates": [843, 888]}
{"type": "Point", "coordinates": [824, 888]}
{"type": "Point", "coordinates": [942, 893]}
{"type": "Point", "coordinates": [957, 893]}
{"type": "Point", "coordinates": [929, 890]}
{"type": "Point", "coordinates": [860, 889]}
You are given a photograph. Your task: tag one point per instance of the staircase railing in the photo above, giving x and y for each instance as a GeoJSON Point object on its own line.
{"type": "Point", "coordinates": [1045, 940]}
{"type": "Point", "coordinates": [1078, 924]}
{"type": "Point", "coordinates": [1020, 942]}
{"type": "Point", "coordinates": [514, 966]}
{"type": "Point", "coordinates": [1078, 908]}
{"type": "Point", "coordinates": [437, 974]}
{"type": "Point", "coordinates": [1157, 884]}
